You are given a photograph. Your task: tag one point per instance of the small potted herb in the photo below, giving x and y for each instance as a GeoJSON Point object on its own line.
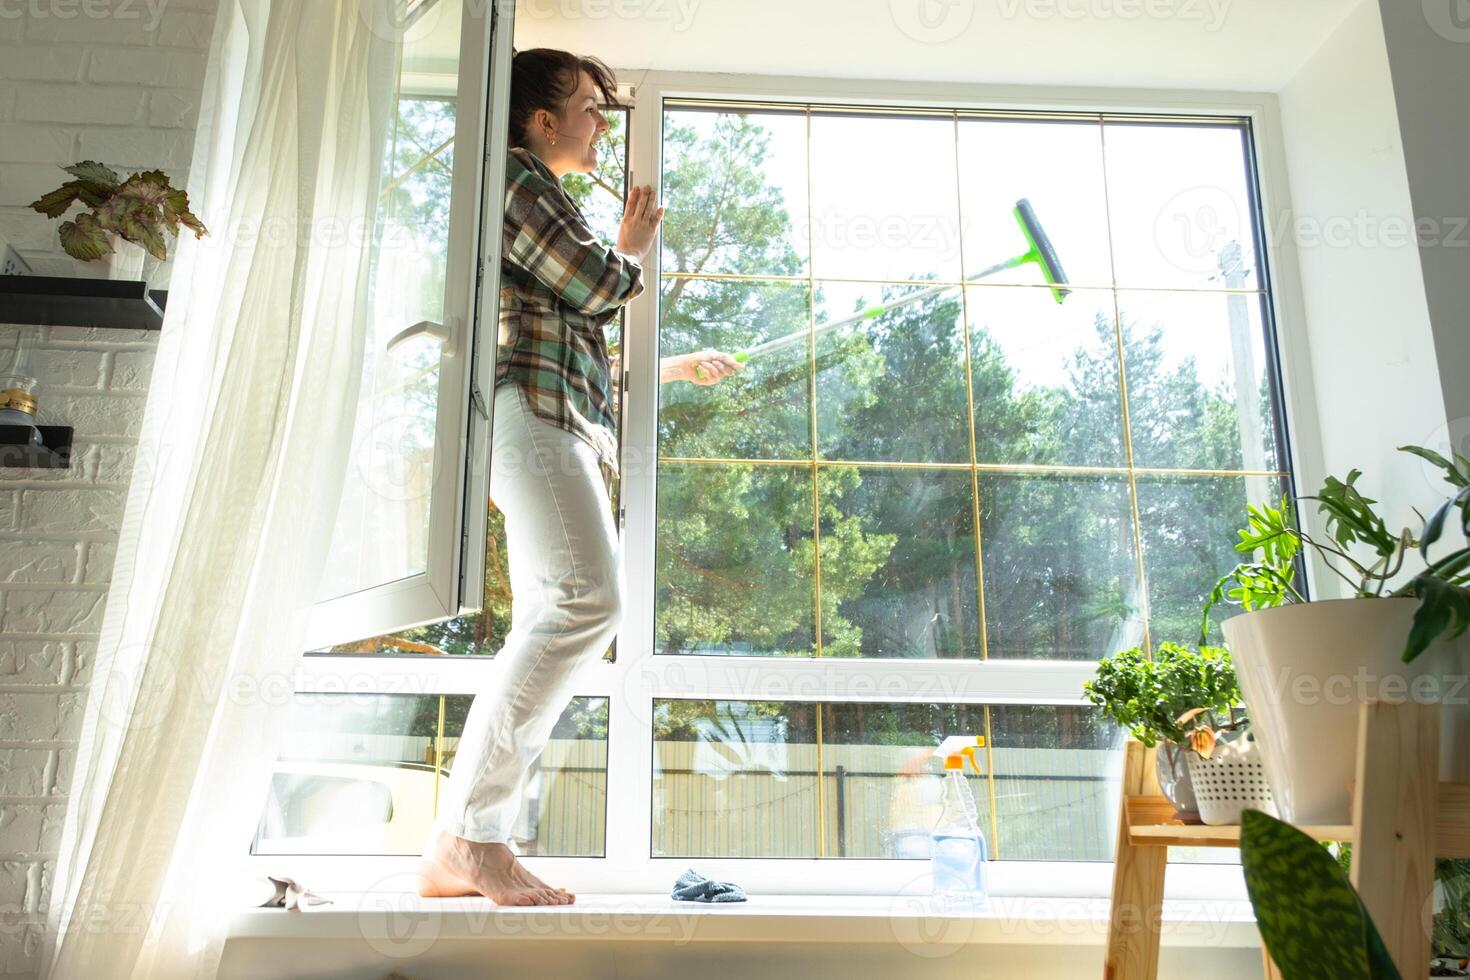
{"type": "Point", "coordinates": [123, 218]}
{"type": "Point", "coordinates": [1225, 768]}
{"type": "Point", "coordinates": [1163, 700]}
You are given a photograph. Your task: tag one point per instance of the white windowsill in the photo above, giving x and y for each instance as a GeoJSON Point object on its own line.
{"type": "Point", "coordinates": [905, 920]}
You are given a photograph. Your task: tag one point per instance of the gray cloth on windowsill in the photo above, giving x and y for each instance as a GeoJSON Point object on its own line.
{"type": "Point", "coordinates": [288, 893]}
{"type": "Point", "coordinates": [695, 887]}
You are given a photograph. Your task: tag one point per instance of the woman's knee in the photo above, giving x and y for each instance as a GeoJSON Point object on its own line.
{"type": "Point", "coordinates": [601, 604]}
{"type": "Point", "coordinates": [591, 605]}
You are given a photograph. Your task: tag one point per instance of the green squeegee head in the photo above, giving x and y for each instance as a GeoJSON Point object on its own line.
{"type": "Point", "coordinates": [1041, 251]}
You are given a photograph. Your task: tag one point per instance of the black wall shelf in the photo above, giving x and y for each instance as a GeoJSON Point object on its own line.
{"type": "Point", "coordinates": [63, 301]}
{"type": "Point", "coordinates": [54, 453]}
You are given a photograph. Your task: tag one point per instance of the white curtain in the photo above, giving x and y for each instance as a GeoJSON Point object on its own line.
{"type": "Point", "coordinates": [239, 470]}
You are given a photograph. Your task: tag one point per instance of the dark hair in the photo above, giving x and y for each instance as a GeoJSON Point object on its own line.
{"type": "Point", "coordinates": [545, 78]}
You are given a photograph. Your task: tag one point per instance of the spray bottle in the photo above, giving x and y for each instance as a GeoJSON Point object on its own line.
{"type": "Point", "coordinates": [959, 852]}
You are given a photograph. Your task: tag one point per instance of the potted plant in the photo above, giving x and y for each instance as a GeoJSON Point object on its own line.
{"type": "Point", "coordinates": [124, 218]}
{"type": "Point", "coordinates": [1156, 699]}
{"type": "Point", "coordinates": [1305, 666]}
{"type": "Point", "coordinates": [1311, 919]}
{"type": "Point", "coordinates": [1333, 934]}
{"type": "Point", "coordinates": [1225, 769]}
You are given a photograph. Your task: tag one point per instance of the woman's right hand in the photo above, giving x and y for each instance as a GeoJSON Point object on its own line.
{"type": "Point", "coordinates": [640, 222]}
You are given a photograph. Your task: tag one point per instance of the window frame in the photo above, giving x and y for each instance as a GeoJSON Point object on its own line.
{"type": "Point", "coordinates": [637, 674]}
{"type": "Point", "coordinates": [438, 591]}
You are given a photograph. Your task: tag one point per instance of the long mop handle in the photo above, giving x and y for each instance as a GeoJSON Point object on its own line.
{"type": "Point", "coordinates": [867, 314]}
{"type": "Point", "coordinates": [1041, 252]}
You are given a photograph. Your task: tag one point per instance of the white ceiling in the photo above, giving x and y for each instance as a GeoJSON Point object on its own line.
{"type": "Point", "coordinates": [1247, 45]}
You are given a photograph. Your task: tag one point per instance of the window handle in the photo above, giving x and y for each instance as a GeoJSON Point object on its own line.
{"type": "Point", "coordinates": [430, 328]}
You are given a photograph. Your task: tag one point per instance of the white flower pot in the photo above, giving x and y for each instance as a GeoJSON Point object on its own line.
{"type": "Point", "coordinates": [1231, 781]}
{"type": "Point", "coordinates": [1304, 670]}
{"type": "Point", "coordinates": [126, 260]}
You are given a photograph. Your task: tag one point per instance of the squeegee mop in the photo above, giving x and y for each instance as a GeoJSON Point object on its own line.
{"type": "Point", "coordinates": [1041, 252]}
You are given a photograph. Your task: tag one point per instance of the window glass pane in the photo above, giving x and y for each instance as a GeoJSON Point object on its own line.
{"type": "Point", "coordinates": [1198, 394]}
{"type": "Point", "coordinates": [735, 188]}
{"type": "Point", "coordinates": [1057, 167]}
{"type": "Point", "coordinates": [383, 524]}
{"type": "Point", "coordinates": [1034, 389]}
{"type": "Point", "coordinates": [599, 195]}
{"type": "Point", "coordinates": [792, 779]}
{"type": "Point", "coordinates": [1180, 212]}
{"type": "Point", "coordinates": [1189, 532]}
{"type": "Point", "coordinates": [874, 342]}
{"type": "Point", "coordinates": [884, 197]}
{"type": "Point", "coordinates": [357, 775]}
{"type": "Point", "coordinates": [733, 560]}
{"type": "Point", "coordinates": [1056, 783]}
{"type": "Point", "coordinates": [1061, 580]}
{"type": "Point", "coordinates": [1045, 377]}
{"type": "Point", "coordinates": [762, 412]}
{"type": "Point", "coordinates": [898, 563]}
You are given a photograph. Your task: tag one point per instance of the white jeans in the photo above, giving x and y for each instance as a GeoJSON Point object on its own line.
{"type": "Point", "coordinates": [566, 583]}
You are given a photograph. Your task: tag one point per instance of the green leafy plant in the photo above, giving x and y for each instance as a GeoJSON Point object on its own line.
{"type": "Point", "coordinates": [1161, 699]}
{"type": "Point", "coordinates": [141, 209]}
{"type": "Point", "coordinates": [1361, 551]}
{"type": "Point", "coordinates": [1311, 920]}
{"type": "Point", "coordinates": [1450, 938]}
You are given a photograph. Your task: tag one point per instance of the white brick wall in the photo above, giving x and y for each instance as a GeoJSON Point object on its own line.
{"type": "Point", "coordinates": [116, 81]}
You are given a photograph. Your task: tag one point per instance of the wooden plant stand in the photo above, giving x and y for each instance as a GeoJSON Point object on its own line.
{"type": "Point", "coordinates": [1403, 818]}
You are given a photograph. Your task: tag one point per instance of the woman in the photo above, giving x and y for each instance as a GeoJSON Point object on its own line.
{"type": "Point", "coordinates": [554, 452]}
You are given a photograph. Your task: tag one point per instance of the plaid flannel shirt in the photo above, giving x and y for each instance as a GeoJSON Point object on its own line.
{"type": "Point", "coordinates": [560, 287]}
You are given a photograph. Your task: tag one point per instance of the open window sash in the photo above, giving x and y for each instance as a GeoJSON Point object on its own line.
{"type": "Point", "coordinates": [401, 548]}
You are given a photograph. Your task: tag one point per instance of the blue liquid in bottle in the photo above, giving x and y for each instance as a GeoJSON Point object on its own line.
{"type": "Point", "coordinates": [959, 856]}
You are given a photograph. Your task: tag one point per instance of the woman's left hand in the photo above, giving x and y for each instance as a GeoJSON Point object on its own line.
{"type": "Point", "coordinates": [702, 367]}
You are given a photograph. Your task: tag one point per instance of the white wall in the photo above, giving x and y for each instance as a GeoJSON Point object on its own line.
{"type": "Point", "coordinates": [1429, 58]}
{"type": "Point", "coordinates": [121, 89]}
{"type": "Point", "coordinates": [1372, 351]}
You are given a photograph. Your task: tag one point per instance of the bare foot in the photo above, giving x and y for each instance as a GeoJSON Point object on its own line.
{"type": "Point", "coordinates": [466, 867]}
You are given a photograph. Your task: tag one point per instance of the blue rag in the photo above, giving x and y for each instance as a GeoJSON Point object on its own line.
{"type": "Point", "coordinates": [695, 887]}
